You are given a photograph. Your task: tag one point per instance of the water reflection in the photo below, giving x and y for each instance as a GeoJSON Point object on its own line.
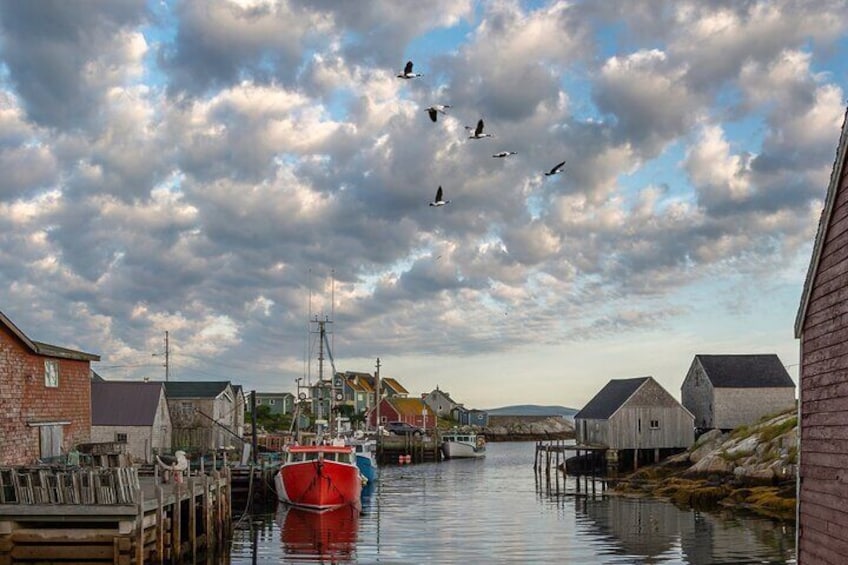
{"type": "Point", "coordinates": [655, 531]}
{"type": "Point", "coordinates": [325, 536]}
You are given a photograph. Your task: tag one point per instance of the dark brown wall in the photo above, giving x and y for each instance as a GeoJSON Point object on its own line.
{"type": "Point", "coordinates": [823, 499]}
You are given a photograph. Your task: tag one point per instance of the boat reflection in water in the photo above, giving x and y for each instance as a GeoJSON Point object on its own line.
{"type": "Point", "coordinates": [329, 535]}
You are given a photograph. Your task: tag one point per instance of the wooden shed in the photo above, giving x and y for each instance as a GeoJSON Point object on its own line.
{"type": "Point", "coordinates": [727, 391]}
{"type": "Point", "coordinates": [636, 416]}
{"type": "Point", "coordinates": [822, 328]}
{"type": "Point", "coordinates": [45, 397]}
{"type": "Point", "coordinates": [134, 413]}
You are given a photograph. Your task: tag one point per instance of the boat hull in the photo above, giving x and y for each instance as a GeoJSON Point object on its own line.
{"type": "Point", "coordinates": [456, 450]}
{"type": "Point", "coordinates": [319, 484]}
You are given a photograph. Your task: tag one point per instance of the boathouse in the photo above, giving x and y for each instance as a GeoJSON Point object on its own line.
{"type": "Point", "coordinates": [727, 391]}
{"type": "Point", "coordinates": [45, 397]}
{"type": "Point", "coordinates": [203, 414]}
{"type": "Point", "coordinates": [440, 402]}
{"type": "Point", "coordinates": [133, 413]}
{"type": "Point", "coordinates": [636, 420]}
{"type": "Point", "coordinates": [822, 328]}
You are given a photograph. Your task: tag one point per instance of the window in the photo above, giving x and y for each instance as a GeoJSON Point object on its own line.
{"type": "Point", "coordinates": [639, 425]}
{"type": "Point", "coordinates": [272, 401]}
{"type": "Point", "coordinates": [121, 438]}
{"type": "Point", "coordinates": [51, 373]}
{"type": "Point", "coordinates": [655, 424]}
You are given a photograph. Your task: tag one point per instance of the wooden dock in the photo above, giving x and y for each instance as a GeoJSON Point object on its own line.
{"type": "Point", "coordinates": [550, 461]}
{"type": "Point", "coordinates": [132, 520]}
{"type": "Point", "coordinates": [419, 449]}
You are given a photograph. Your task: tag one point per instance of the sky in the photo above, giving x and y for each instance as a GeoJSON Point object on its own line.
{"type": "Point", "coordinates": [226, 170]}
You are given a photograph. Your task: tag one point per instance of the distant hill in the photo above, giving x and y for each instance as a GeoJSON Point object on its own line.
{"type": "Point", "coordinates": [533, 410]}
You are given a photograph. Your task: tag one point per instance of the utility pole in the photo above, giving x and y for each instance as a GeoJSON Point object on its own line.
{"type": "Point", "coordinates": [167, 357]}
{"type": "Point", "coordinates": [379, 396]}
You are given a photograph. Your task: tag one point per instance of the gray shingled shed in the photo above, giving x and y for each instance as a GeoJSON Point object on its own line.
{"type": "Point", "coordinates": [728, 391]}
{"type": "Point", "coordinates": [132, 412]}
{"type": "Point", "coordinates": [636, 419]}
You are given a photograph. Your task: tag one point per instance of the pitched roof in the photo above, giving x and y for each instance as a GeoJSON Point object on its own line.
{"type": "Point", "coordinates": [388, 381]}
{"type": "Point", "coordinates": [45, 349]}
{"type": "Point", "coordinates": [124, 403]}
{"type": "Point", "coordinates": [610, 398]}
{"type": "Point", "coordinates": [824, 222]}
{"type": "Point", "coordinates": [745, 371]}
{"type": "Point", "coordinates": [195, 389]}
{"type": "Point", "coordinates": [409, 406]}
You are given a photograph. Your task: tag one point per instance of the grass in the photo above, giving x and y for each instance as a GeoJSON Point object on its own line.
{"type": "Point", "coordinates": [769, 433]}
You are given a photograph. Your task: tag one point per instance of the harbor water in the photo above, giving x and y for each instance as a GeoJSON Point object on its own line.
{"type": "Point", "coordinates": [493, 510]}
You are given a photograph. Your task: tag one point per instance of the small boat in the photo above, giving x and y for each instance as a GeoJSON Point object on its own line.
{"type": "Point", "coordinates": [457, 444]}
{"type": "Point", "coordinates": [366, 457]}
{"type": "Point", "coordinates": [319, 477]}
{"type": "Point", "coordinates": [326, 537]}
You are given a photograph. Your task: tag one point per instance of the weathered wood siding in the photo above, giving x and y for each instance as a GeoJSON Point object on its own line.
{"type": "Point", "coordinates": [25, 401]}
{"type": "Point", "coordinates": [142, 441]}
{"type": "Point", "coordinates": [696, 395]}
{"type": "Point", "coordinates": [823, 475]}
{"type": "Point", "coordinates": [736, 407]}
{"type": "Point", "coordinates": [630, 427]}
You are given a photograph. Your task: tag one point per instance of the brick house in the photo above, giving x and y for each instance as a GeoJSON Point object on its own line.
{"type": "Point", "coordinates": [135, 413]}
{"type": "Point", "coordinates": [821, 326]}
{"type": "Point", "coordinates": [727, 391]}
{"type": "Point", "coordinates": [45, 397]}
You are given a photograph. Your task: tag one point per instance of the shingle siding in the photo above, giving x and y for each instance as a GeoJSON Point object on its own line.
{"type": "Point", "coordinates": [822, 326]}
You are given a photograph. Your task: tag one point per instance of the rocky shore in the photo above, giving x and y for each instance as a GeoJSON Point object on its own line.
{"type": "Point", "coordinates": [528, 428]}
{"type": "Point", "coordinates": [752, 467]}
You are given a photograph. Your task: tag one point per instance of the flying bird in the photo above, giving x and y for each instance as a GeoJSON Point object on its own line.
{"type": "Point", "coordinates": [555, 170]}
{"type": "Point", "coordinates": [435, 109]}
{"type": "Point", "coordinates": [501, 154]}
{"type": "Point", "coordinates": [478, 131]}
{"type": "Point", "coordinates": [407, 71]}
{"type": "Point", "coordinates": [439, 200]}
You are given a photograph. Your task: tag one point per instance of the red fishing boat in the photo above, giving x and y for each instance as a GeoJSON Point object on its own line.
{"type": "Point", "coordinates": [319, 477]}
{"type": "Point", "coordinates": [328, 537]}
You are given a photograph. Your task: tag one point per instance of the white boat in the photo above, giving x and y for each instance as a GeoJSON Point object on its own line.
{"type": "Point", "coordinates": [457, 444]}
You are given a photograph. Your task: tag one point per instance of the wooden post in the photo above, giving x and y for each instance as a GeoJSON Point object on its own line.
{"type": "Point", "coordinates": [139, 541]}
{"type": "Point", "coordinates": [219, 522]}
{"type": "Point", "coordinates": [192, 519]}
{"type": "Point", "coordinates": [160, 524]}
{"type": "Point", "coordinates": [207, 522]}
{"type": "Point", "coordinates": [176, 534]}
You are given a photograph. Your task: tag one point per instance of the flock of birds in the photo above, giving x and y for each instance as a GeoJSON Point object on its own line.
{"type": "Point", "coordinates": [475, 132]}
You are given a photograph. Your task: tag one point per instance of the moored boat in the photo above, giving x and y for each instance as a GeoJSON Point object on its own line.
{"type": "Point", "coordinates": [319, 477]}
{"type": "Point", "coordinates": [457, 444]}
{"type": "Point", "coordinates": [366, 457]}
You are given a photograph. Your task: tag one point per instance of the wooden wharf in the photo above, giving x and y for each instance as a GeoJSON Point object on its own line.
{"type": "Point", "coordinates": [550, 458]}
{"type": "Point", "coordinates": [131, 520]}
{"type": "Point", "coordinates": [420, 449]}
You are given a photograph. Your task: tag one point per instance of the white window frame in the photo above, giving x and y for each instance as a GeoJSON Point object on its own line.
{"type": "Point", "coordinates": [51, 373]}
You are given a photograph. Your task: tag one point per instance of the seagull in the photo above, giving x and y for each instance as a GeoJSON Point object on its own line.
{"type": "Point", "coordinates": [438, 200]}
{"type": "Point", "coordinates": [555, 170]}
{"type": "Point", "coordinates": [478, 131]}
{"type": "Point", "coordinates": [175, 464]}
{"type": "Point", "coordinates": [435, 109]}
{"type": "Point", "coordinates": [407, 71]}
{"type": "Point", "coordinates": [504, 154]}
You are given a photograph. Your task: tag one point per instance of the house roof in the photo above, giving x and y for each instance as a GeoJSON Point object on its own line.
{"type": "Point", "coordinates": [124, 403]}
{"type": "Point", "coordinates": [824, 222]}
{"type": "Point", "coordinates": [45, 349]}
{"type": "Point", "coordinates": [745, 371]}
{"type": "Point", "coordinates": [195, 389]}
{"type": "Point", "coordinates": [409, 406]}
{"type": "Point", "coordinates": [610, 398]}
{"type": "Point", "coordinates": [388, 381]}
{"type": "Point", "coordinates": [237, 390]}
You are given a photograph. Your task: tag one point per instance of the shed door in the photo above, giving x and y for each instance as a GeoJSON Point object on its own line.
{"type": "Point", "coordinates": [51, 440]}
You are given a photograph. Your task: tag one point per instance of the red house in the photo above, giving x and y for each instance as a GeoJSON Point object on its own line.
{"type": "Point", "coordinates": [822, 327]}
{"type": "Point", "coordinates": [397, 409]}
{"type": "Point", "coordinates": [45, 397]}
